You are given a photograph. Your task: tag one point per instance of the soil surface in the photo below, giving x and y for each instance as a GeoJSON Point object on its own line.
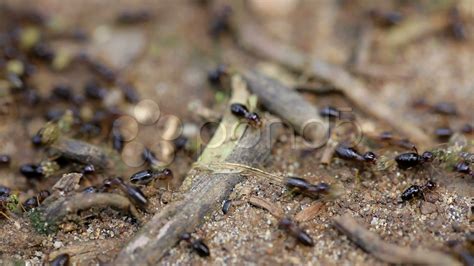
{"type": "Point", "coordinates": [167, 58]}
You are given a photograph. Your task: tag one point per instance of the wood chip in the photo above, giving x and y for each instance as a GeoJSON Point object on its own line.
{"type": "Point", "coordinates": [309, 213]}
{"type": "Point", "coordinates": [68, 183]}
{"type": "Point", "coordinates": [276, 211]}
{"type": "Point", "coordinates": [329, 151]}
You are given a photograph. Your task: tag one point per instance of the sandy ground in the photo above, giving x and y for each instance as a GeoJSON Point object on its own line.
{"type": "Point", "coordinates": [168, 58]}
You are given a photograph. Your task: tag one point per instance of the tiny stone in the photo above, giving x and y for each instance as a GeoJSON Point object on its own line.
{"type": "Point", "coordinates": [374, 221]}
{"type": "Point", "coordinates": [57, 244]}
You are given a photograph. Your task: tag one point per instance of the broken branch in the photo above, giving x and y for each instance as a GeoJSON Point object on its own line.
{"type": "Point", "coordinates": [82, 152]}
{"type": "Point", "coordinates": [59, 209]}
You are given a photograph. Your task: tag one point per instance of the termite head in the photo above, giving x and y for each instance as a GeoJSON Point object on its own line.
{"type": "Point", "coordinates": [254, 120]}
{"type": "Point", "coordinates": [370, 157]}
{"type": "Point", "coordinates": [284, 223]}
{"type": "Point", "coordinates": [427, 156]}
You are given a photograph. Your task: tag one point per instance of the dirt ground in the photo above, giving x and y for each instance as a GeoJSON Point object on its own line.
{"type": "Point", "coordinates": [167, 59]}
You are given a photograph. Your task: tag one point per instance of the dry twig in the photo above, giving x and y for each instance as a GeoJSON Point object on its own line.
{"type": "Point", "coordinates": [81, 152]}
{"type": "Point", "coordinates": [371, 243]}
{"type": "Point", "coordinates": [64, 206]}
{"type": "Point", "coordinates": [361, 54]}
{"type": "Point", "coordinates": [329, 151]}
{"type": "Point", "coordinates": [269, 206]}
{"type": "Point", "coordinates": [308, 213]}
{"type": "Point", "coordinates": [414, 29]}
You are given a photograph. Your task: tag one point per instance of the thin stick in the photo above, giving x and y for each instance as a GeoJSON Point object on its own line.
{"type": "Point", "coordinates": [328, 152]}
{"type": "Point", "coordinates": [267, 205]}
{"type": "Point", "coordinates": [361, 53]}
{"type": "Point", "coordinates": [371, 243]}
{"type": "Point", "coordinates": [7, 217]}
{"type": "Point", "coordinates": [56, 211]}
{"type": "Point", "coordinates": [414, 29]}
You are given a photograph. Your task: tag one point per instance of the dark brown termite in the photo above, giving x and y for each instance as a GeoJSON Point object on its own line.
{"type": "Point", "coordinates": [132, 192]}
{"type": "Point", "coordinates": [386, 18]}
{"type": "Point", "coordinates": [389, 138]}
{"type": "Point", "coordinates": [220, 22]}
{"type": "Point", "coordinates": [62, 92]}
{"type": "Point", "coordinates": [35, 201]}
{"type": "Point", "coordinates": [5, 160]}
{"type": "Point", "coordinates": [412, 159]}
{"type": "Point", "coordinates": [311, 190]}
{"type": "Point", "coordinates": [30, 203]}
{"type": "Point", "coordinates": [180, 143]}
{"type": "Point", "coordinates": [94, 91]}
{"type": "Point", "coordinates": [91, 189]}
{"type": "Point", "coordinates": [130, 94]}
{"type": "Point", "coordinates": [444, 108]}
{"type": "Point", "coordinates": [242, 111]}
{"type": "Point", "coordinates": [416, 191]}
{"type": "Point", "coordinates": [37, 140]}
{"type": "Point", "coordinates": [215, 76]}
{"type": "Point", "coordinates": [226, 206]}
{"type": "Point", "coordinates": [89, 130]}
{"type": "Point", "coordinates": [133, 16]}
{"type": "Point", "coordinates": [463, 168]}
{"type": "Point", "coordinates": [31, 171]}
{"type": "Point", "coordinates": [4, 191]}
{"type": "Point", "coordinates": [456, 26]}
{"type": "Point", "coordinates": [239, 110]}
{"type": "Point", "coordinates": [295, 231]}
{"type": "Point", "coordinates": [60, 260]}
{"type": "Point", "coordinates": [350, 154]}
{"type": "Point", "coordinates": [467, 128]}
{"type": "Point", "coordinates": [329, 112]}
{"type": "Point", "coordinates": [117, 140]}
{"type": "Point", "coordinates": [43, 51]}
{"type": "Point", "coordinates": [197, 245]}
{"type": "Point", "coordinates": [88, 169]}
{"type": "Point", "coordinates": [443, 133]}
{"type": "Point", "coordinates": [144, 177]}
{"type": "Point", "coordinates": [298, 183]}
{"type": "Point", "coordinates": [149, 157]}
{"type": "Point", "coordinates": [100, 69]}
